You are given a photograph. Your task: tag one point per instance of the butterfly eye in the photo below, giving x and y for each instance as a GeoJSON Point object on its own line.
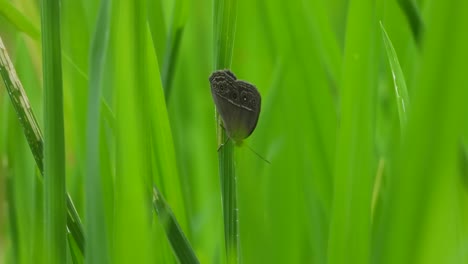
{"type": "Point", "coordinates": [221, 88]}
{"type": "Point", "coordinates": [244, 98]}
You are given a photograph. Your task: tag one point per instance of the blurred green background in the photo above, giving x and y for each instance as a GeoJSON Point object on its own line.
{"type": "Point", "coordinates": [355, 176]}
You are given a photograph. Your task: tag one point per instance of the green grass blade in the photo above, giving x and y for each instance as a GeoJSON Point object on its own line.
{"type": "Point", "coordinates": [23, 170]}
{"type": "Point", "coordinates": [158, 127]}
{"type": "Point", "coordinates": [20, 185]}
{"type": "Point", "coordinates": [349, 240]}
{"type": "Point", "coordinates": [225, 16]}
{"type": "Point", "coordinates": [154, 110]}
{"type": "Point", "coordinates": [21, 105]}
{"type": "Point", "coordinates": [13, 221]}
{"type": "Point", "coordinates": [164, 170]}
{"type": "Point", "coordinates": [158, 28]}
{"type": "Point", "coordinates": [33, 133]}
{"type": "Point", "coordinates": [97, 247]}
{"type": "Point", "coordinates": [325, 38]}
{"type": "Point", "coordinates": [75, 253]}
{"type": "Point", "coordinates": [132, 199]}
{"type": "Point", "coordinates": [414, 17]}
{"type": "Point", "coordinates": [176, 29]}
{"type": "Point", "coordinates": [401, 92]}
{"type": "Point", "coordinates": [54, 142]}
{"type": "Point", "coordinates": [15, 17]}
{"type": "Point", "coordinates": [425, 201]}
{"type": "Point", "coordinates": [179, 242]}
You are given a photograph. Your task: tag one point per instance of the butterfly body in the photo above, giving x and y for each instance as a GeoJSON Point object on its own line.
{"type": "Point", "coordinates": [237, 102]}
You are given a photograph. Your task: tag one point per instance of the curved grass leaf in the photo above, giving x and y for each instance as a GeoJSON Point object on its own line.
{"type": "Point", "coordinates": [423, 219]}
{"type": "Point", "coordinates": [401, 92]}
{"type": "Point", "coordinates": [414, 18]}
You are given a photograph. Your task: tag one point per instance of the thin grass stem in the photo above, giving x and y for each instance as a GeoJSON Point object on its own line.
{"type": "Point", "coordinates": [225, 16]}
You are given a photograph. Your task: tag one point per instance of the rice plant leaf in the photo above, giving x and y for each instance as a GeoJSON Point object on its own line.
{"type": "Point", "coordinates": [75, 253]}
{"type": "Point", "coordinates": [174, 37]}
{"type": "Point", "coordinates": [423, 203]}
{"type": "Point", "coordinates": [128, 19]}
{"type": "Point", "coordinates": [21, 169]}
{"type": "Point", "coordinates": [179, 242]}
{"type": "Point", "coordinates": [33, 133]}
{"type": "Point", "coordinates": [161, 150]}
{"type": "Point", "coordinates": [158, 127]}
{"type": "Point", "coordinates": [97, 247]}
{"type": "Point", "coordinates": [350, 224]}
{"type": "Point", "coordinates": [54, 139]}
{"type": "Point", "coordinates": [225, 16]}
{"type": "Point", "coordinates": [324, 37]}
{"type": "Point", "coordinates": [158, 28]}
{"type": "Point", "coordinates": [16, 18]}
{"type": "Point", "coordinates": [399, 83]}
{"type": "Point", "coordinates": [414, 17]}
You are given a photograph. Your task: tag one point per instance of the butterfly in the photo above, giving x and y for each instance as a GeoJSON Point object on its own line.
{"type": "Point", "coordinates": [237, 102]}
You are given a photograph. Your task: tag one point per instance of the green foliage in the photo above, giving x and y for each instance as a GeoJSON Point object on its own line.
{"type": "Point", "coordinates": [357, 175]}
{"type": "Point", "coordinates": [55, 214]}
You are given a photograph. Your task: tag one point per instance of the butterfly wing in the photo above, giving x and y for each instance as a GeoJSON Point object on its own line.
{"type": "Point", "coordinates": [237, 102]}
{"type": "Point", "coordinates": [250, 102]}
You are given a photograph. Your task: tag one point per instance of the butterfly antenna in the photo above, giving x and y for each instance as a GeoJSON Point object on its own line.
{"type": "Point", "coordinates": [258, 155]}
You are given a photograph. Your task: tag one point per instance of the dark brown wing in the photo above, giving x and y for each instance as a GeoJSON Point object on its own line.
{"type": "Point", "coordinates": [251, 100]}
{"type": "Point", "coordinates": [237, 102]}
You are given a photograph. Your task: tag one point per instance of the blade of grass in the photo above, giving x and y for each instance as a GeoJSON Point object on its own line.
{"type": "Point", "coordinates": [12, 220]}
{"type": "Point", "coordinates": [21, 182]}
{"type": "Point", "coordinates": [54, 139]}
{"type": "Point", "coordinates": [423, 204]}
{"type": "Point", "coordinates": [325, 38]}
{"type": "Point", "coordinates": [157, 27]}
{"type": "Point", "coordinates": [4, 110]}
{"type": "Point", "coordinates": [401, 92]}
{"type": "Point", "coordinates": [132, 200]}
{"type": "Point", "coordinates": [97, 247]}
{"type": "Point", "coordinates": [180, 244]}
{"type": "Point", "coordinates": [154, 110]}
{"type": "Point", "coordinates": [54, 142]}
{"type": "Point", "coordinates": [33, 133]}
{"type": "Point", "coordinates": [75, 40]}
{"type": "Point", "coordinates": [225, 16]}
{"type": "Point", "coordinates": [158, 126]}
{"type": "Point", "coordinates": [414, 17]}
{"type": "Point", "coordinates": [349, 240]}
{"type": "Point", "coordinates": [22, 107]}
{"type": "Point", "coordinates": [164, 169]}
{"type": "Point", "coordinates": [22, 23]}
{"type": "Point", "coordinates": [179, 18]}
{"type": "Point", "coordinates": [23, 169]}
{"type": "Point", "coordinates": [75, 253]}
